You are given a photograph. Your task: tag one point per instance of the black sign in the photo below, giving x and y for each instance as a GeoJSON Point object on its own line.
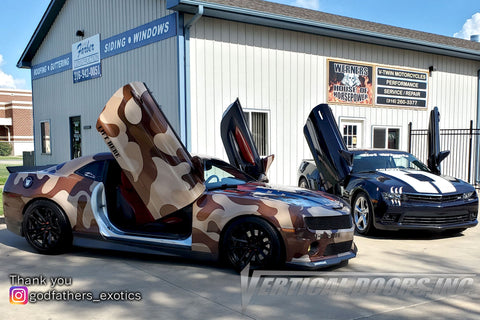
{"type": "Point", "coordinates": [396, 87]}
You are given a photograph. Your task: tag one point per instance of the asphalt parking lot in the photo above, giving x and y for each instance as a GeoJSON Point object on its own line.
{"type": "Point", "coordinates": [179, 288]}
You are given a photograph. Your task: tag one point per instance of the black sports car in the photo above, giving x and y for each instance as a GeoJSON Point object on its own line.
{"type": "Point", "coordinates": [387, 189]}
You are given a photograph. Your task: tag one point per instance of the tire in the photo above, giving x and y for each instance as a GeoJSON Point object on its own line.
{"type": "Point", "coordinates": [251, 240]}
{"type": "Point", "coordinates": [46, 228]}
{"type": "Point", "coordinates": [303, 183]}
{"type": "Point", "coordinates": [362, 213]}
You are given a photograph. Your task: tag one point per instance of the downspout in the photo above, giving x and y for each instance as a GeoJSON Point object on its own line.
{"type": "Point", "coordinates": [477, 139]}
{"type": "Point", "coordinates": [185, 113]}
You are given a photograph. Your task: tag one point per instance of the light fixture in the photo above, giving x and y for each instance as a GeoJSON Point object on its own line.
{"type": "Point", "coordinates": [430, 70]}
{"type": "Point", "coordinates": [80, 33]}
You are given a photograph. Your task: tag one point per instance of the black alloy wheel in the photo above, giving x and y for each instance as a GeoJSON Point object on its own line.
{"type": "Point", "coordinates": [252, 240]}
{"type": "Point", "coordinates": [46, 228]}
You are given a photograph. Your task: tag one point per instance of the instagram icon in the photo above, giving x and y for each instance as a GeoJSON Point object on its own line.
{"type": "Point", "coordinates": [18, 295]}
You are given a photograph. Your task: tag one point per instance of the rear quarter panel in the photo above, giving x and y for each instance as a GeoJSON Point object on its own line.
{"type": "Point", "coordinates": [71, 192]}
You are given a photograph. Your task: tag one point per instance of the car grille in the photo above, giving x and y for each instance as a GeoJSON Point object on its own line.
{"type": "Point", "coordinates": [436, 220]}
{"type": "Point", "coordinates": [433, 198]}
{"type": "Point", "coordinates": [337, 248]}
{"type": "Point", "coordinates": [329, 223]}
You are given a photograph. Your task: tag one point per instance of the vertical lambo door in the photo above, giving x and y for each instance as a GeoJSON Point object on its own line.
{"type": "Point", "coordinates": [239, 144]}
{"type": "Point", "coordinates": [333, 160]}
{"type": "Point", "coordinates": [154, 178]}
{"type": "Point", "coordinates": [435, 156]}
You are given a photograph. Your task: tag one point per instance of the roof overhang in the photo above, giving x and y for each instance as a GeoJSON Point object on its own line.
{"type": "Point", "coordinates": [222, 11]}
{"type": "Point", "coordinates": [41, 31]}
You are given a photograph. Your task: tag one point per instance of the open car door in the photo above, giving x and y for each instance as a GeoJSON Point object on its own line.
{"type": "Point", "coordinates": [333, 160]}
{"type": "Point", "coordinates": [239, 145]}
{"type": "Point", "coordinates": [149, 151]}
{"type": "Point", "coordinates": [435, 156]}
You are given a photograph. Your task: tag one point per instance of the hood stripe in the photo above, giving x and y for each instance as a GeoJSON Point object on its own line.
{"type": "Point", "coordinates": [438, 185]}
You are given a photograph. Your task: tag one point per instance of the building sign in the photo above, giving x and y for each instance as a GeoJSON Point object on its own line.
{"type": "Point", "coordinates": [350, 82]}
{"type": "Point", "coordinates": [86, 59]}
{"type": "Point", "coordinates": [402, 88]}
{"type": "Point", "coordinates": [151, 32]}
{"type": "Point", "coordinates": [86, 65]}
{"type": "Point", "coordinates": [53, 66]}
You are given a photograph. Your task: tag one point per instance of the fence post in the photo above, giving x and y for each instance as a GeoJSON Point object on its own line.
{"type": "Point", "coordinates": [470, 136]}
{"type": "Point", "coordinates": [409, 137]}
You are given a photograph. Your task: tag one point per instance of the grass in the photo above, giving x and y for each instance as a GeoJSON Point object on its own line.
{"type": "Point", "coordinates": [4, 176]}
{"type": "Point", "coordinates": [11, 157]}
{"type": "Point", "coordinates": [4, 173]}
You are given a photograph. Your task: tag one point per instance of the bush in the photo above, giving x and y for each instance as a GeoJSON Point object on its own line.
{"type": "Point", "coordinates": [5, 149]}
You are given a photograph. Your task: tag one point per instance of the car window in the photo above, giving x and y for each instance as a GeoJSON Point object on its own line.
{"type": "Point", "coordinates": [93, 170]}
{"type": "Point", "coordinates": [372, 161]}
{"type": "Point", "coordinates": [219, 174]}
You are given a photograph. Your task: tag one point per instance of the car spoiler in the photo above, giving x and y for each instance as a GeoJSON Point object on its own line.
{"type": "Point", "coordinates": [16, 169]}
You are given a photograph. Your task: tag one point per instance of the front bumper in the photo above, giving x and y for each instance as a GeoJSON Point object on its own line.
{"type": "Point", "coordinates": [326, 262]}
{"type": "Point", "coordinates": [427, 215]}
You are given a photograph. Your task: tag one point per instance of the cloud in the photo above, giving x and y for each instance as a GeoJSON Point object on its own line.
{"type": "Point", "coordinates": [470, 27]}
{"type": "Point", "coordinates": [308, 4]}
{"type": "Point", "coordinates": [7, 81]}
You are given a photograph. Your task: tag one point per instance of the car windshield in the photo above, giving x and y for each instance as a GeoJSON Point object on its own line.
{"type": "Point", "coordinates": [219, 174]}
{"type": "Point", "coordinates": [372, 161]}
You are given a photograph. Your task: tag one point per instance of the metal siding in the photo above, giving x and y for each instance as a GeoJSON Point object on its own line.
{"type": "Point", "coordinates": [57, 98]}
{"type": "Point", "coordinates": [285, 72]}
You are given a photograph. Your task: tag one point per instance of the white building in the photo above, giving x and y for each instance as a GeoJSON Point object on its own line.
{"type": "Point", "coordinates": [197, 57]}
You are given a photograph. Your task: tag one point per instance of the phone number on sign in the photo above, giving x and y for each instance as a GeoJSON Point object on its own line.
{"type": "Point", "coordinates": [87, 73]}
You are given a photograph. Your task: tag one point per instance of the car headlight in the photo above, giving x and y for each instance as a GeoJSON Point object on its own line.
{"type": "Point", "coordinates": [468, 195]}
{"type": "Point", "coordinates": [391, 196]}
{"type": "Point", "coordinates": [395, 196]}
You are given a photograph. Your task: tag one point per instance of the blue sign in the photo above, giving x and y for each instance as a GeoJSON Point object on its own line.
{"type": "Point", "coordinates": [151, 32]}
{"type": "Point", "coordinates": [53, 66]}
{"type": "Point", "coordinates": [157, 30]}
{"type": "Point", "coordinates": [87, 73]}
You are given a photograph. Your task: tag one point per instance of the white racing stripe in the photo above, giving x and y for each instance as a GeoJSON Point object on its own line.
{"type": "Point", "coordinates": [442, 184]}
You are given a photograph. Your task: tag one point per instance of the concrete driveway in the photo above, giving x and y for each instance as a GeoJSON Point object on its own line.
{"type": "Point", "coordinates": [178, 288]}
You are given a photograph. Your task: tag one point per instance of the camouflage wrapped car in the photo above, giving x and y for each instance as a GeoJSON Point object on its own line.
{"type": "Point", "coordinates": [150, 194]}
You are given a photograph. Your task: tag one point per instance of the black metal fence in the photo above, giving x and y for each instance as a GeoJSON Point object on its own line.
{"type": "Point", "coordinates": [462, 143]}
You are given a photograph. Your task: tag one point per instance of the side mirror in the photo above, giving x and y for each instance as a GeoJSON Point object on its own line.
{"type": "Point", "coordinates": [348, 156]}
{"type": "Point", "coordinates": [442, 155]}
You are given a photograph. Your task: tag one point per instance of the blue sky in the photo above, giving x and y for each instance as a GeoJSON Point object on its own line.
{"type": "Point", "coordinates": [19, 18]}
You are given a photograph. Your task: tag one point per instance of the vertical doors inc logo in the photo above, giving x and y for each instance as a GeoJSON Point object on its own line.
{"type": "Point", "coordinates": [18, 295]}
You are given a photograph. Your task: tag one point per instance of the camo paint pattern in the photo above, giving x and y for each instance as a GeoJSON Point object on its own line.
{"type": "Point", "coordinates": [59, 184]}
{"type": "Point", "coordinates": [215, 209]}
{"type": "Point", "coordinates": [148, 150]}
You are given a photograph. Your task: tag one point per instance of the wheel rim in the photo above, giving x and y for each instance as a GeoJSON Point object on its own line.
{"type": "Point", "coordinates": [43, 228]}
{"type": "Point", "coordinates": [303, 184]}
{"type": "Point", "coordinates": [360, 213]}
{"type": "Point", "coordinates": [249, 243]}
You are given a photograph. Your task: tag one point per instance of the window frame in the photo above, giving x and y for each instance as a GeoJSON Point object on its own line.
{"type": "Point", "coordinates": [386, 128]}
{"type": "Point", "coordinates": [249, 111]}
{"type": "Point", "coordinates": [43, 141]}
{"type": "Point", "coordinates": [361, 127]}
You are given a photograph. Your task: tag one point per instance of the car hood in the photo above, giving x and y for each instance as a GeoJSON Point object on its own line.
{"type": "Point", "coordinates": [413, 181]}
{"type": "Point", "coordinates": [316, 203]}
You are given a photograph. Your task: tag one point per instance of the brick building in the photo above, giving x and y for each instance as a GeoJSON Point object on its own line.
{"type": "Point", "coordinates": [16, 119]}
